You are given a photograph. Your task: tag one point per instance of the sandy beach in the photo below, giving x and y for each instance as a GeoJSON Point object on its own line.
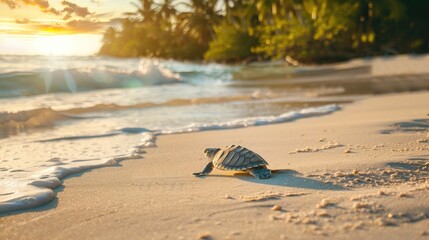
{"type": "Point", "coordinates": [112, 115]}
{"type": "Point", "coordinates": [361, 172]}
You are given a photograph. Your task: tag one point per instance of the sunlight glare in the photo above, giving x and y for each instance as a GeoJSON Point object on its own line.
{"type": "Point", "coordinates": [65, 45]}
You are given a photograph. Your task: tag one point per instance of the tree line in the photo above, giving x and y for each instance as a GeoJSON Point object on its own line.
{"type": "Point", "coordinates": [310, 31]}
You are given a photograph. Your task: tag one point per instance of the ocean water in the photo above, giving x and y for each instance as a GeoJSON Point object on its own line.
{"type": "Point", "coordinates": [62, 115]}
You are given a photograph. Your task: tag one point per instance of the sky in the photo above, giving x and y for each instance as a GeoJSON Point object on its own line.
{"type": "Point", "coordinates": [57, 27]}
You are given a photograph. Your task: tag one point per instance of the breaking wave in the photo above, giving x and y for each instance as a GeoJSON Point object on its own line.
{"type": "Point", "coordinates": [40, 81]}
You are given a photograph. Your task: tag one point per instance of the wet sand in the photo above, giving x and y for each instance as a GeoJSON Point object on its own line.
{"type": "Point", "coordinates": [362, 172]}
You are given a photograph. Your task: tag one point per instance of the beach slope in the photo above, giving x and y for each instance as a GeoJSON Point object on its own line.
{"type": "Point", "coordinates": [359, 173]}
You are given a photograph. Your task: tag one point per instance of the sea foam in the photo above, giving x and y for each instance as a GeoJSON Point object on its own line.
{"type": "Point", "coordinates": [256, 121]}
{"type": "Point", "coordinates": [34, 188]}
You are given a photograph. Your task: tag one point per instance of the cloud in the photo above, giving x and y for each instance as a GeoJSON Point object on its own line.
{"type": "Point", "coordinates": [51, 11]}
{"type": "Point", "coordinates": [74, 19]}
{"type": "Point", "coordinates": [11, 3]}
{"type": "Point", "coordinates": [68, 11]}
{"type": "Point", "coordinates": [42, 4]}
{"type": "Point", "coordinates": [71, 27]}
{"type": "Point", "coordinates": [33, 27]}
{"type": "Point", "coordinates": [71, 9]}
{"type": "Point", "coordinates": [85, 26]}
{"type": "Point", "coordinates": [22, 21]}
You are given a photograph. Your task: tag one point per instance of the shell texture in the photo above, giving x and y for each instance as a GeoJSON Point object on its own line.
{"type": "Point", "coordinates": [234, 157]}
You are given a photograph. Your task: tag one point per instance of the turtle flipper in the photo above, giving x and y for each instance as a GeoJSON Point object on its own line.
{"type": "Point", "coordinates": [205, 171]}
{"type": "Point", "coordinates": [260, 172]}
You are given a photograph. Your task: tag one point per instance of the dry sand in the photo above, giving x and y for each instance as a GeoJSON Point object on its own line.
{"type": "Point", "coordinates": [360, 173]}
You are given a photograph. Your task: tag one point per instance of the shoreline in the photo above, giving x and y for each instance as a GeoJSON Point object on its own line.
{"type": "Point", "coordinates": [35, 191]}
{"type": "Point", "coordinates": [157, 196]}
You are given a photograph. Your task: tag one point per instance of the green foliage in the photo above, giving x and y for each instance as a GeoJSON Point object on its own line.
{"type": "Point", "coordinates": [322, 33]}
{"type": "Point", "coordinates": [230, 45]}
{"type": "Point", "coordinates": [237, 30]}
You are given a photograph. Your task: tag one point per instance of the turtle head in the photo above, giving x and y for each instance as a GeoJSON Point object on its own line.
{"type": "Point", "coordinates": [211, 152]}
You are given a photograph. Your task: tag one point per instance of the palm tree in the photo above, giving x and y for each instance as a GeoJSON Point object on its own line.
{"type": "Point", "coordinates": [145, 9]}
{"type": "Point", "coordinates": [167, 13]}
{"type": "Point", "coordinates": [244, 15]}
{"type": "Point", "coordinates": [109, 39]}
{"type": "Point", "coordinates": [200, 20]}
{"type": "Point", "coordinates": [109, 36]}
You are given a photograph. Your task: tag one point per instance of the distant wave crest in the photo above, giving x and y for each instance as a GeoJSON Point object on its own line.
{"type": "Point", "coordinates": [20, 83]}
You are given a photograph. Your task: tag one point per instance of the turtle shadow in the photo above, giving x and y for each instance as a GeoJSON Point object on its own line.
{"type": "Point", "coordinates": [290, 178]}
{"type": "Point", "coordinates": [415, 125]}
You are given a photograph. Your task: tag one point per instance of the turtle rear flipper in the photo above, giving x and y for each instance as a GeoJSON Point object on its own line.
{"type": "Point", "coordinates": [206, 170]}
{"type": "Point", "coordinates": [260, 172]}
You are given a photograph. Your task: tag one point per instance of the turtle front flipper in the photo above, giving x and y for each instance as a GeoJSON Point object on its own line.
{"type": "Point", "coordinates": [205, 171]}
{"type": "Point", "coordinates": [260, 172]}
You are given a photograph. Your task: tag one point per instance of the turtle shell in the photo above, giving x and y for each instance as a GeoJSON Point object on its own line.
{"type": "Point", "coordinates": [235, 157]}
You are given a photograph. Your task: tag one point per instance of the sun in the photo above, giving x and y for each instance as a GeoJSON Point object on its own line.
{"type": "Point", "coordinates": [53, 45]}
{"type": "Point", "coordinates": [65, 45]}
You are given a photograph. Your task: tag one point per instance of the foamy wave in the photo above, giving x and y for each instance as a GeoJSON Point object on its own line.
{"type": "Point", "coordinates": [256, 121]}
{"type": "Point", "coordinates": [37, 188]}
{"type": "Point", "coordinates": [18, 195]}
{"type": "Point", "coordinates": [109, 134]}
{"type": "Point", "coordinates": [42, 81]}
{"type": "Point", "coordinates": [202, 73]}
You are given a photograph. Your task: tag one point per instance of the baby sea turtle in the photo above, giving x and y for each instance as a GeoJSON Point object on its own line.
{"type": "Point", "coordinates": [236, 158]}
